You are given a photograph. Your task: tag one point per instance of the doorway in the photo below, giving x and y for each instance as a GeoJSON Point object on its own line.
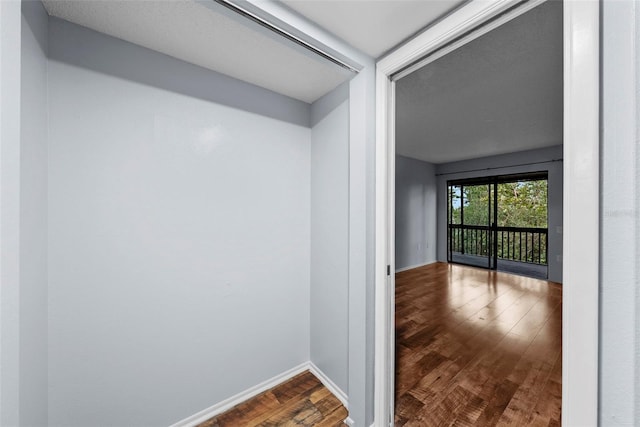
{"type": "Point", "coordinates": [499, 223]}
{"type": "Point", "coordinates": [581, 195]}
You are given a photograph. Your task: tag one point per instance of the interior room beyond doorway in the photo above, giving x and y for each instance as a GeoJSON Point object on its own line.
{"type": "Point", "coordinates": [471, 126]}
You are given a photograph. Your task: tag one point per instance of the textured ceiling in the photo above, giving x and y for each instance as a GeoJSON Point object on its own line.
{"type": "Point", "coordinates": [500, 93]}
{"type": "Point", "coordinates": [202, 34]}
{"type": "Point", "coordinates": [373, 26]}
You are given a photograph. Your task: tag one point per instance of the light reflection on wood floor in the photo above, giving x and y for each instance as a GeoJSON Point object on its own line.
{"type": "Point", "coordinates": [477, 348]}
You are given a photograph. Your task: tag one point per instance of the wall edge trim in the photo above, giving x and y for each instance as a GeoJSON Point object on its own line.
{"type": "Point", "coordinates": [411, 267]}
{"type": "Point", "coordinates": [330, 385]}
{"type": "Point", "coordinates": [226, 404]}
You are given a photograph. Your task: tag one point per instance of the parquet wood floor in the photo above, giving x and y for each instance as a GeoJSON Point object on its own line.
{"type": "Point", "coordinates": [477, 348]}
{"type": "Point", "coordinates": [301, 401]}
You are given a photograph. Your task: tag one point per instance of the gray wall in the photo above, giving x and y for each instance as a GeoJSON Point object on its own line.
{"type": "Point", "coordinates": [33, 216]}
{"type": "Point", "coordinates": [10, 97]}
{"type": "Point", "coordinates": [23, 222]}
{"type": "Point", "coordinates": [619, 376]}
{"type": "Point", "coordinates": [330, 235]}
{"type": "Point", "coordinates": [529, 161]}
{"type": "Point", "coordinates": [132, 62]}
{"type": "Point", "coordinates": [619, 357]}
{"type": "Point", "coordinates": [362, 244]}
{"type": "Point", "coordinates": [179, 246]}
{"type": "Point", "coordinates": [415, 213]}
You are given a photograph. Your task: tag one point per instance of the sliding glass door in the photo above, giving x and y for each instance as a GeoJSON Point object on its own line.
{"type": "Point", "coordinates": [471, 213]}
{"type": "Point", "coordinates": [499, 222]}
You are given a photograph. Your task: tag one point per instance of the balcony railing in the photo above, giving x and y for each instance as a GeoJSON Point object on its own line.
{"type": "Point", "coordinates": [523, 244]}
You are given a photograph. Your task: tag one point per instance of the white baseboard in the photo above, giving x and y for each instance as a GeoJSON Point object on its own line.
{"type": "Point", "coordinates": [349, 421]}
{"type": "Point", "coordinates": [411, 267]}
{"type": "Point", "coordinates": [229, 403]}
{"type": "Point", "coordinates": [330, 385]}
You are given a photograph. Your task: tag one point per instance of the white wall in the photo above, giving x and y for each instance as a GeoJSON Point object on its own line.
{"type": "Point", "coordinates": [33, 216]}
{"type": "Point", "coordinates": [619, 356]}
{"type": "Point", "coordinates": [545, 159]}
{"type": "Point", "coordinates": [178, 243]}
{"type": "Point", "coordinates": [330, 236]}
{"type": "Point", "coordinates": [415, 213]}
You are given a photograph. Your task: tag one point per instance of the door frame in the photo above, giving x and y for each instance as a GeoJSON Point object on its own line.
{"type": "Point", "coordinates": [580, 197]}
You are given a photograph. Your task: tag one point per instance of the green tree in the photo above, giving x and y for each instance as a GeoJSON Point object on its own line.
{"type": "Point", "coordinates": [520, 204]}
{"type": "Point", "coordinates": [477, 205]}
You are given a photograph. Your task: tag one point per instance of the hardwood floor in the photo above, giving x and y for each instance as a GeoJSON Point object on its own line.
{"type": "Point", "coordinates": [473, 348]}
{"type": "Point", "coordinates": [477, 348]}
{"type": "Point", "coordinates": [301, 401]}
